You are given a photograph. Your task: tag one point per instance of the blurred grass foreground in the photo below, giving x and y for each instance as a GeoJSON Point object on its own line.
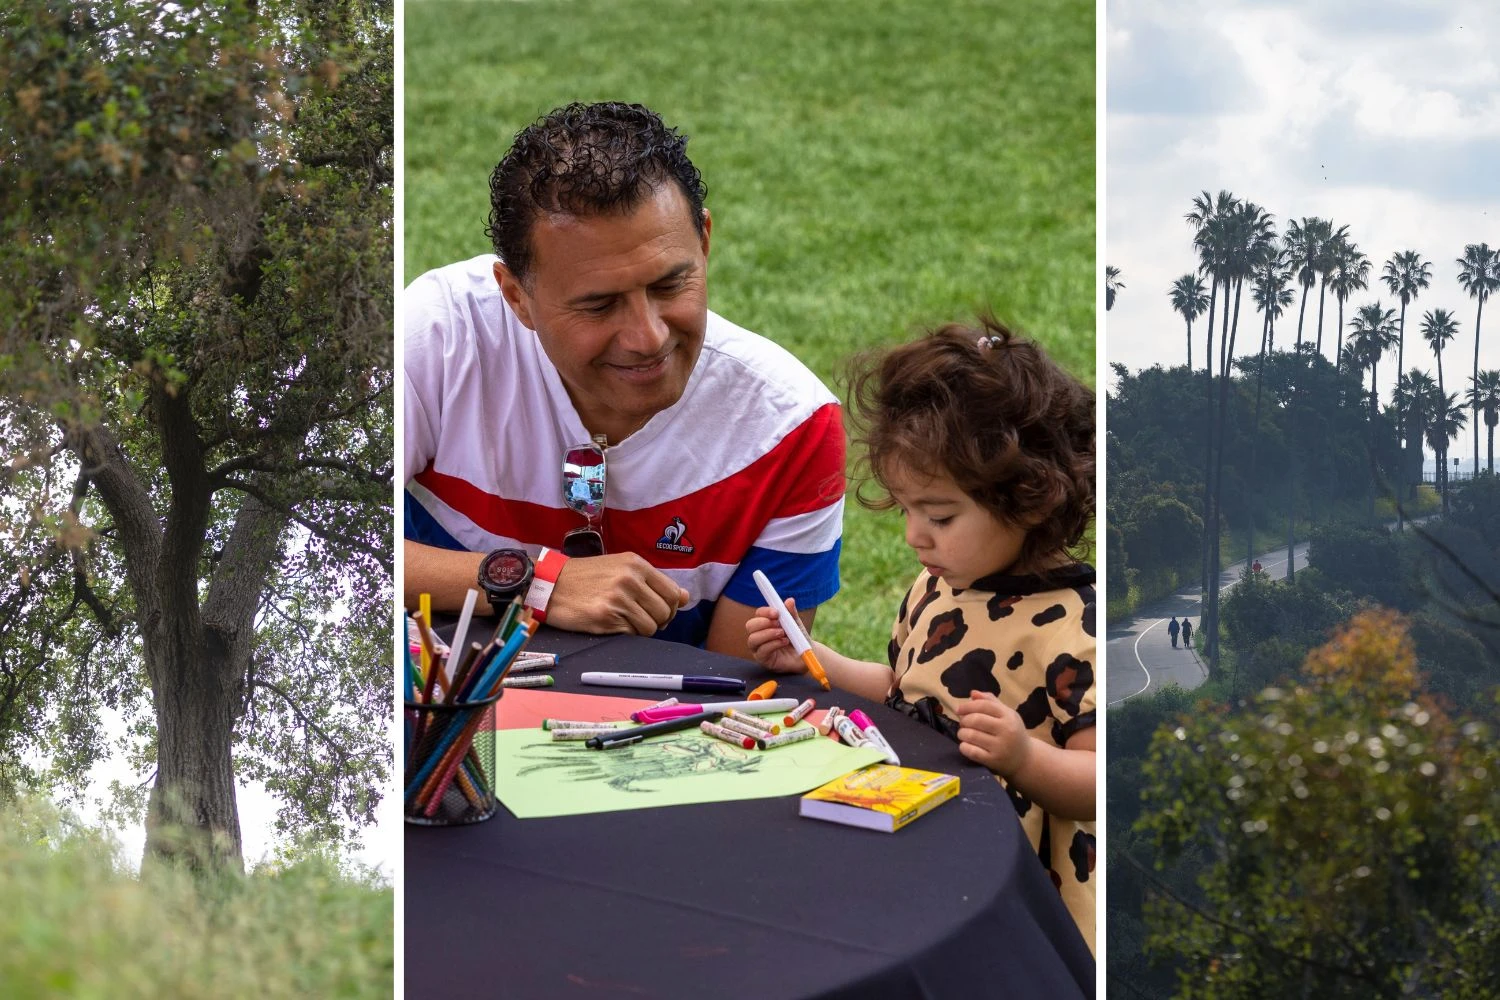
{"type": "Point", "coordinates": [76, 921]}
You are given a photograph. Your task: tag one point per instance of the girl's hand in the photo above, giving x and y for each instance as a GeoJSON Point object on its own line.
{"type": "Point", "coordinates": [769, 644]}
{"type": "Point", "coordinates": [991, 733]}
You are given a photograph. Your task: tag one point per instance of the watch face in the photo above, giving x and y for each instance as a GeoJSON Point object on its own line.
{"type": "Point", "coordinates": [507, 569]}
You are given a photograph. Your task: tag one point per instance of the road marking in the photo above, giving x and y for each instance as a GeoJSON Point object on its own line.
{"type": "Point", "coordinates": [1137, 648]}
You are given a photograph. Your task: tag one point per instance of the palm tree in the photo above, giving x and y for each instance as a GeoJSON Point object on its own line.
{"type": "Point", "coordinates": [1447, 420]}
{"type": "Point", "coordinates": [1438, 328]}
{"type": "Point", "coordinates": [1189, 300]}
{"type": "Point", "coordinates": [1412, 400]}
{"type": "Point", "coordinates": [1349, 272]}
{"type": "Point", "coordinates": [1327, 260]}
{"type": "Point", "coordinates": [1484, 394]}
{"type": "Point", "coordinates": [1304, 248]}
{"type": "Point", "coordinates": [1405, 274]}
{"type": "Point", "coordinates": [1479, 274]}
{"type": "Point", "coordinates": [1272, 296]}
{"type": "Point", "coordinates": [1112, 284]}
{"type": "Point", "coordinates": [1372, 333]}
{"type": "Point", "coordinates": [1240, 242]}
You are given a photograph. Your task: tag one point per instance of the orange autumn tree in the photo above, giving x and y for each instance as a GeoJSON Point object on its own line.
{"type": "Point", "coordinates": [1347, 831]}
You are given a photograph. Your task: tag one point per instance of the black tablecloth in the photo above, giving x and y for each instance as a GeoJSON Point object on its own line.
{"type": "Point", "coordinates": [738, 899]}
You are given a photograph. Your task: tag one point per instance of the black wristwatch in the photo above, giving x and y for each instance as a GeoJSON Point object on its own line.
{"type": "Point", "coordinates": [503, 574]}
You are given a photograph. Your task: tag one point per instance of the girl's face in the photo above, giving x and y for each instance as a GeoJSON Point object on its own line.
{"type": "Point", "coordinates": [953, 536]}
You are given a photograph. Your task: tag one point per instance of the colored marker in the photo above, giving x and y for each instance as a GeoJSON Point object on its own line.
{"type": "Point", "coordinates": [743, 728]}
{"type": "Point", "coordinates": [769, 728]}
{"type": "Point", "coordinates": [666, 682]}
{"type": "Point", "coordinates": [764, 691]}
{"type": "Point", "coordinates": [625, 737]}
{"type": "Point", "coordinates": [849, 732]}
{"type": "Point", "coordinates": [829, 718]}
{"type": "Point", "coordinates": [582, 733]}
{"type": "Point", "coordinates": [528, 656]}
{"type": "Point", "coordinates": [728, 735]}
{"type": "Point", "coordinates": [793, 629]}
{"type": "Point", "coordinates": [668, 703]}
{"type": "Point", "coordinates": [875, 736]}
{"type": "Point", "coordinates": [799, 713]}
{"type": "Point", "coordinates": [768, 706]}
{"type": "Point", "coordinates": [529, 681]}
{"type": "Point", "coordinates": [790, 736]}
{"type": "Point", "coordinates": [573, 724]}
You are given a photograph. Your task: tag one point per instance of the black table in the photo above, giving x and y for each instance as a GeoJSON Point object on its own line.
{"type": "Point", "coordinates": [738, 899]}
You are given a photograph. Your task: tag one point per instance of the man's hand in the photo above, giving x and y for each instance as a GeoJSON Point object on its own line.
{"type": "Point", "coordinates": [620, 593]}
{"type": "Point", "coordinates": [991, 733]}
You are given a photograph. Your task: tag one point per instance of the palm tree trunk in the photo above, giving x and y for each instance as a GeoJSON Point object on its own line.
{"type": "Point", "coordinates": [1322, 291]}
{"type": "Point", "coordinates": [1477, 315]}
{"type": "Point", "coordinates": [1338, 352]}
{"type": "Point", "coordinates": [1208, 415]}
{"type": "Point", "coordinates": [1302, 311]}
{"type": "Point", "coordinates": [1260, 374]}
{"type": "Point", "coordinates": [1442, 475]}
{"type": "Point", "coordinates": [1190, 346]}
{"type": "Point", "coordinates": [1226, 357]}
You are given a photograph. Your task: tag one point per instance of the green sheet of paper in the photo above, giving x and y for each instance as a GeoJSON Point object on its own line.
{"type": "Point", "coordinates": [538, 777]}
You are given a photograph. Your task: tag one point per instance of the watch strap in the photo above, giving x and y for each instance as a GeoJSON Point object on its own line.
{"type": "Point", "coordinates": [548, 566]}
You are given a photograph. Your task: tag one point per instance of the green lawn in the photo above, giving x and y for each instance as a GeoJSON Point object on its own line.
{"type": "Point", "coordinates": [873, 168]}
{"type": "Point", "coordinates": [77, 923]}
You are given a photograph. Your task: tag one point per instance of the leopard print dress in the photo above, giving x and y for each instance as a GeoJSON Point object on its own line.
{"type": "Point", "coordinates": [1032, 645]}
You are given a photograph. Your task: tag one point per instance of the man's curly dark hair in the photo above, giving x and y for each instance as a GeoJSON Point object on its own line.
{"type": "Point", "coordinates": [995, 414]}
{"type": "Point", "coordinates": [583, 160]}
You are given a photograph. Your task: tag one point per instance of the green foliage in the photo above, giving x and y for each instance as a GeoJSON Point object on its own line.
{"type": "Point", "coordinates": [79, 924]}
{"type": "Point", "coordinates": [1348, 825]}
{"type": "Point", "coordinates": [873, 169]}
{"type": "Point", "coordinates": [198, 286]}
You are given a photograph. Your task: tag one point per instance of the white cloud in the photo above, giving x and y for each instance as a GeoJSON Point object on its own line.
{"type": "Point", "coordinates": [1383, 116]}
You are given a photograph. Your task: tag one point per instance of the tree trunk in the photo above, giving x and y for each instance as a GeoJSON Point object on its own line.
{"type": "Point", "coordinates": [1478, 315]}
{"type": "Point", "coordinates": [1226, 357]}
{"type": "Point", "coordinates": [196, 645]}
{"type": "Point", "coordinates": [1260, 375]}
{"type": "Point", "coordinates": [1190, 346]}
{"type": "Point", "coordinates": [193, 815]}
{"type": "Point", "coordinates": [1322, 294]}
{"type": "Point", "coordinates": [1208, 418]}
{"type": "Point", "coordinates": [1302, 311]}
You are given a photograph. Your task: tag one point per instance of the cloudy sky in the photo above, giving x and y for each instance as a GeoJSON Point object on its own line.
{"type": "Point", "coordinates": [1384, 116]}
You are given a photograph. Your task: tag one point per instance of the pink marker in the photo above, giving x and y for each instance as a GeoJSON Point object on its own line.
{"type": "Point", "coordinates": [764, 705]}
{"type": "Point", "coordinates": [860, 719]}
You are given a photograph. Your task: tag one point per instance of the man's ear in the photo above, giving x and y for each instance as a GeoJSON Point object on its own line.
{"type": "Point", "coordinates": [515, 294]}
{"type": "Point", "coordinates": [708, 227]}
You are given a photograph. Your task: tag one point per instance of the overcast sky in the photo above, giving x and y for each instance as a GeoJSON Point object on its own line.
{"type": "Point", "coordinates": [1384, 116]}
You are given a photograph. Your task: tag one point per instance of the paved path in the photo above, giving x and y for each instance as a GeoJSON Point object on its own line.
{"type": "Point", "coordinates": [1139, 654]}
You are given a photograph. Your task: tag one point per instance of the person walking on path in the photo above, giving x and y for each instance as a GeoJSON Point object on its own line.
{"type": "Point", "coordinates": [1187, 633]}
{"type": "Point", "coordinates": [1172, 628]}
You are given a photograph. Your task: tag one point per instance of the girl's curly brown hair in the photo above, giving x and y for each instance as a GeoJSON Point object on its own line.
{"type": "Point", "coordinates": [992, 411]}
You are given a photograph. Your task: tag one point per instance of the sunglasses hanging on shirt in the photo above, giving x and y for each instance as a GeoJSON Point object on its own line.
{"type": "Point", "coordinates": [583, 473]}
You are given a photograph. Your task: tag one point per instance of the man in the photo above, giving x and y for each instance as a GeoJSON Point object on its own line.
{"type": "Point", "coordinates": [590, 322]}
{"type": "Point", "coordinates": [1172, 628]}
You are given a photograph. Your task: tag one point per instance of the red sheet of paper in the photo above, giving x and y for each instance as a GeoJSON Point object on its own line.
{"type": "Point", "coordinates": [525, 708]}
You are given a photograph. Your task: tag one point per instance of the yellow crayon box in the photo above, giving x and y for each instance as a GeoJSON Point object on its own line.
{"type": "Point", "coordinates": [880, 797]}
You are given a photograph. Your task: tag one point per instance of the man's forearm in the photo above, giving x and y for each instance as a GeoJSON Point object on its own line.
{"type": "Point", "coordinates": [445, 574]}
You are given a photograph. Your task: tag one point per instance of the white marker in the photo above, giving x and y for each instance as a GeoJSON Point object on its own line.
{"type": "Point", "coordinates": [666, 682]}
{"type": "Point", "coordinates": [793, 629]}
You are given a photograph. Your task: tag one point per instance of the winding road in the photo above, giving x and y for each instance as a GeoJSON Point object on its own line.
{"type": "Point", "coordinates": [1139, 656]}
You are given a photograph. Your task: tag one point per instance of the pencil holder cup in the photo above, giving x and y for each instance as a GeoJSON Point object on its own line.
{"type": "Point", "coordinates": [450, 762]}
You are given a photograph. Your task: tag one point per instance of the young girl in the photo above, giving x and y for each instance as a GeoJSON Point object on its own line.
{"type": "Point", "coordinates": [987, 448]}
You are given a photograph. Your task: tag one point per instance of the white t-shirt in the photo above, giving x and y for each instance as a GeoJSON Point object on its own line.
{"type": "Point", "coordinates": [744, 472]}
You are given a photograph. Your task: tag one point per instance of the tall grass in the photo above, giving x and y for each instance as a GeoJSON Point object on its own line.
{"type": "Point", "coordinates": [874, 167]}
{"type": "Point", "coordinates": [76, 922]}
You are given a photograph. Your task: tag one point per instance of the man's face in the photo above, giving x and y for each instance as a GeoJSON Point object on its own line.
{"type": "Point", "coordinates": [620, 304]}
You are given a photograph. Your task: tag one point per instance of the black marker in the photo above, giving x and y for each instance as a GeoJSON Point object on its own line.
{"type": "Point", "coordinates": [625, 737]}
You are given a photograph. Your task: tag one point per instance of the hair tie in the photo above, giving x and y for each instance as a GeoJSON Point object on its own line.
{"type": "Point", "coordinates": [987, 343]}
